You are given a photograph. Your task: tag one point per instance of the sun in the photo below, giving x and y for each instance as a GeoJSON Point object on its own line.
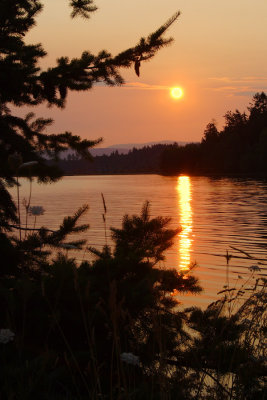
{"type": "Point", "coordinates": [177, 92]}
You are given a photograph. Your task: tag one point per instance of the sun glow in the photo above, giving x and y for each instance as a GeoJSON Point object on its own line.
{"type": "Point", "coordinates": [176, 92]}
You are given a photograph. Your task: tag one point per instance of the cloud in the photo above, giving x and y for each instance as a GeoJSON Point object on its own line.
{"type": "Point", "coordinates": [245, 79]}
{"type": "Point", "coordinates": [144, 86]}
{"type": "Point", "coordinates": [137, 86]}
{"type": "Point", "coordinates": [246, 93]}
{"type": "Point", "coordinates": [244, 86]}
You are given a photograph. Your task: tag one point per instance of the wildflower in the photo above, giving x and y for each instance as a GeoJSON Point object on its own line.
{"type": "Point", "coordinates": [254, 268]}
{"type": "Point", "coordinates": [130, 358]}
{"type": "Point", "coordinates": [36, 210]}
{"type": "Point", "coordinates": [6, 335]}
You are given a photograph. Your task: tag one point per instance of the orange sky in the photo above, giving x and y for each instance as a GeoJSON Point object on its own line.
{"type": "Point", "coordinates": [219, 58]}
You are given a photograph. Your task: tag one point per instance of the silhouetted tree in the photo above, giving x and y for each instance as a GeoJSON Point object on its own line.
{"type": "Point", "coordinates": [22, 82]}
{"type": "Point", "coordinates": [240, 147]}
{"type": "Point", "coordinates": [211, 134]}
{"type": "Point", "coordinates": [258, 105]}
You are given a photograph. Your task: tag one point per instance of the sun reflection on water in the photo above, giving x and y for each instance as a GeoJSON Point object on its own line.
{"type": "Point", "coordinates": [186, 221]}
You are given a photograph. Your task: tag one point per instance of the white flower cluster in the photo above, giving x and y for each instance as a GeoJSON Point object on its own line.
{"type": "Point", "coordinates": [6, 335]}
{"type": "Point", "coordinates": [36, 210]}
{"type": "Point", "coordinates": [130, 358]}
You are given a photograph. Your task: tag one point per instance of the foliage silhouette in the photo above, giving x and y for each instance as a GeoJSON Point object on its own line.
{"type": "Point", "coordinates": [73, 322]}
{"type": "Point", "coordinates": [23, 83]}
{"type": "Point", "coordinates": [138, 161]}
{"type": "Point", "coordinates": [240, 147]}
{"type": "Point", "coordinates": [24, 141]}
{"type": "Point", "coordinates": [84, 317]}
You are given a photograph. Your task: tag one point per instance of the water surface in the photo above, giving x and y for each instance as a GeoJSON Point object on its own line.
{"type": "Point", "coordinates": [215, 215]}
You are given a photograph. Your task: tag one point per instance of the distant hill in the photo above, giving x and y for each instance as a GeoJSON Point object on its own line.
{"type": "Point", "coordinates": [140, 145]}
{"type": "Point", "coordinates": [123, 148]}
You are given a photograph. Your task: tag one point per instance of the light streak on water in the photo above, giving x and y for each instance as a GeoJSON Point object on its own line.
{"type": "Point", "coordinates": [186, 221]}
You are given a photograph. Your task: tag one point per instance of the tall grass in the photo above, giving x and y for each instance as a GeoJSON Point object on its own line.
{"type": "Point", "coordinates": [112, 329]}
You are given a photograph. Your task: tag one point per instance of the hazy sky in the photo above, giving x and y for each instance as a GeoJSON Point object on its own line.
{"type": "Point", "coordinates": [219, 58]}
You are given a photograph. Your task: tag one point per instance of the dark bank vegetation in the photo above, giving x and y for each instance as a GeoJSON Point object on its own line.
{"type": "Point", "coordinates": [239, 148]}
{"type": "Point", "coordinates": [111, 328]}
{"type": "Point", "coordinates": [115, 328]}
{"type": "Point", "coordinates": [146, 160]}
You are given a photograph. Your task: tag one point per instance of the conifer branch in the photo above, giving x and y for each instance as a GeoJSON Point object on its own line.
{"type": "Point", "coordinates": [22, 83]}
{"type": "Point", "coordinates": [82, 8]}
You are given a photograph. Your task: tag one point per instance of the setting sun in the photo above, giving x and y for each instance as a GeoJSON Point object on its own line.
{"type": "Point", "coordinates": [177, 92]}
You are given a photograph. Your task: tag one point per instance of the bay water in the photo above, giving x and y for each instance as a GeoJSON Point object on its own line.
{"type": "Point", "coordinates": [216, 215]}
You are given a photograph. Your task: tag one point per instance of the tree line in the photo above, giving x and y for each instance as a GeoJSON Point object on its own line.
{"type": "Point", "coordinates": [146, 160]}
{"type": "Point", "coordinates": [240, 147]}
